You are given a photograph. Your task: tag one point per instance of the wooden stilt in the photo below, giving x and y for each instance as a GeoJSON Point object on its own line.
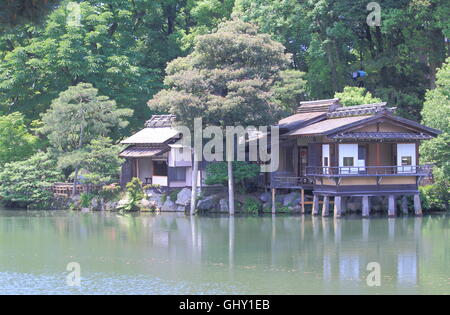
{"type": "Point", "coordinates": [273, 201]}
{"type": "Point", "coordinates": [391, 206]}
{"type": "Point", "coordinates": [302, 200]}
{"type": "Point", "coordinates": [337, 206]}
{"type": "Point", "coordinates": [417, 205]}
{"type": "Point", "coordinates": [315, 209]}
{"type": "Point", "coordinates": [326, 206]}
{"type": "Point", "coordinates": [405, 204]}
{"type": "Point", "coordinates": [365, 207]}
{"type": "Point", "coordinates": [344, 205]}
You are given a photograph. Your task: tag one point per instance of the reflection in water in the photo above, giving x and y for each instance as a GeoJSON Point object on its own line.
{"type": "Point", "coordinates": [178, 254]}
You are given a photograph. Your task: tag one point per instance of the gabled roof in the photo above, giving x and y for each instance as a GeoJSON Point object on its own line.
{"type": "Point", "coordinates": [385, 116]}
{"type": "Point", "coordinates": [152, 136]}
{"type": "Point", "coordinates": [326, 125]}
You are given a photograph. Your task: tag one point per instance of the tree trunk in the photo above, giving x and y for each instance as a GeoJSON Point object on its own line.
{"type": "Point", "coordinates": [80, 144]}
{"type": "Point", "coordinates": [194, 185]}
{"type": "Point", "coordinates": [230, 187]}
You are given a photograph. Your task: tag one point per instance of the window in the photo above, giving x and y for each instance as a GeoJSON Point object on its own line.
{"type": "Point", "coordinates": [349, 161]}
{"type": "Point", "coordinates": [325, 161]}
{"type": "Point", "coordinates": [179, 174]}
{"type": "Point", "coordinates": [361, 152]}
{"type": "Point", "coordinates": [159, 168]}
{"type": "Point", "coordinates": [406, 160]}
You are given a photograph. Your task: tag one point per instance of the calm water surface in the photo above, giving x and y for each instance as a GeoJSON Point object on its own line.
{"type": "Point", "coordinates": [175, 254]}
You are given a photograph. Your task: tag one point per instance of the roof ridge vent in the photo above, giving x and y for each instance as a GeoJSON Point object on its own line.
{"type": "Point", "coordinates": [359, 110]}
{"type": "Point", "coordinates": [160, 121]}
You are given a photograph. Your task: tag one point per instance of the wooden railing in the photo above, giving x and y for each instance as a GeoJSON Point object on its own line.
{"type": "Point", "coordinates": [288, 180]}
{"type": "Point", "coordinates": [66, 189]}
{"type": "Point", "coordinates": [361, 171]}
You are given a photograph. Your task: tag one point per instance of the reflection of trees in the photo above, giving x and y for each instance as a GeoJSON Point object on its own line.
{"type": "Point", "coordinates": [326, 250]}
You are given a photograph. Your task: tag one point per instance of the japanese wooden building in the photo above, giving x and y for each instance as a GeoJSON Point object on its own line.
{"type": "Point", "coordinates": [337, 152]}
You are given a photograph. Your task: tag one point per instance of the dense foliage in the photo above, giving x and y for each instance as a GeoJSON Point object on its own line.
{"type": "Point", "coordinates": [28, 181]}
{"type": "Point", "coordinates": [216, 173]}
{"type": "Point", "coordinates": [436, 114]}
{"type": "Point", "coordinates": [16, 142]}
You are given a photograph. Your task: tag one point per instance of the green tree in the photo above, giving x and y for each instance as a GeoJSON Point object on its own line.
{"type": "Point", "coordinates": [227, 80]}
{"type": "Point", "coordinates": [29, 181]}
{"type": "Point", "coordinates": [120, 46]}
{"type": "Point", "coordinates": [436, 113]}
{"type": "Point", "coordinates": [352, 96]}
{"type": "Point", "coordinates": [16, 142]}
{"type": "Point", "coordinates": [13, 12]}
{"type": "Point", "coordinates": [76, 118]}
{"type": "Point", "coordinates": [290, 90]}
{"type": "Point", "coordinates": [99, 161]}
{"type": "Point", "coordinates": [217, 173]}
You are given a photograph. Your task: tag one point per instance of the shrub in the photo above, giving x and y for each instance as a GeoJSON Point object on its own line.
{"type": "Point", "coordinates": [135, 194]}
{"type": "Point", "coordinates": [174, 194]}
{"type": "Point", "coordinates": [110, 192]}
{"type": "Point", "coordinates": [251, 206]}
{"type": "Point", "coordinates": [86, 199]}
{"type": "Point", "coordinates": [435, 197]}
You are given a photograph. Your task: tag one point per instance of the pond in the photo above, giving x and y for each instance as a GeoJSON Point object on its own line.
{"type": "Point", "coordinates": [177, 254]}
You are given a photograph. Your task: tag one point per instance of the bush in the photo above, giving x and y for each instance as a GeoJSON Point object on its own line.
{"type": "Point", "coordinates": [435, 197]}
{"type": "Point", "coordinates": [86, 200]}
{"type": "Point", "coordinates": [29, 181]}
{"type": "Point", "coordinates": [251, 206]}
{"type": "Point", "coordinates": [135, 194]}
{"type": "Point", "coordinates": [110, 192]}
{"type": "Point", "coordinates": [174, 194]}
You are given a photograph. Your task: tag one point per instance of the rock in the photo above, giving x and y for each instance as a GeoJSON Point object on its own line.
{"type": "Point", "coordinates": [181, 209]}
{"type": "Point", "coordinates": [97, 204]}
{"type": "Point", "coordinates": [145, 204]}
{"type": "Point", "coordinates": [292, 199]}
{"type": "Point", "coordinates": [155, 196]}
{"type": "Point", "coordinates": [224, 205]}
{"type": "Point", "coordinates": [169, 206]}
{"type": "Point", "coordinates": [184, 197]}
{"type": "Point", "coordinates": [265, 197]}
{"type": "Point", "coordinates": [207, 204]}
{"type": "Point", "coordinates": [110, 206]}
{"type": "Point", "coordinates": [85, 210]}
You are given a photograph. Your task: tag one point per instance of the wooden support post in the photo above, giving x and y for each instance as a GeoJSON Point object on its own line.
{"type": "Point", "coordinates": [302, 200]}
{"type": "Point", "coordinates": [405, 204]}
{"type": "Point", "coordinates": [417, 205]}
{"type": "Point", "coordinates": [326, 206]}
{"type": "Point", "coordinates": [337, 206]}
{"type": "Point", "coordinates": [315, 209]}
{"type": "Point", "coordinates": [391, 206]}
{"type": "Point", "coordinates": [365, 207]}
{"type": "Point", "coordinates": [344, 205]}
{"type": "Point", "coordinates": [273, 201]}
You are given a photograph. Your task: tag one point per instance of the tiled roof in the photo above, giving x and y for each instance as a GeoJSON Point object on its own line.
{"type": "Point", "coordinates": [326, 125]}
{"type": "Point", "coordinates": [318, 106]}
{"type": "Point", "coordinates": [381, 136]}
{"type": "Point", "coordinates": [143, 151]}
{"type": "Point", "coordinates": [367, 109]}
{"type": "Point", "coordinates": [159, 121]}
